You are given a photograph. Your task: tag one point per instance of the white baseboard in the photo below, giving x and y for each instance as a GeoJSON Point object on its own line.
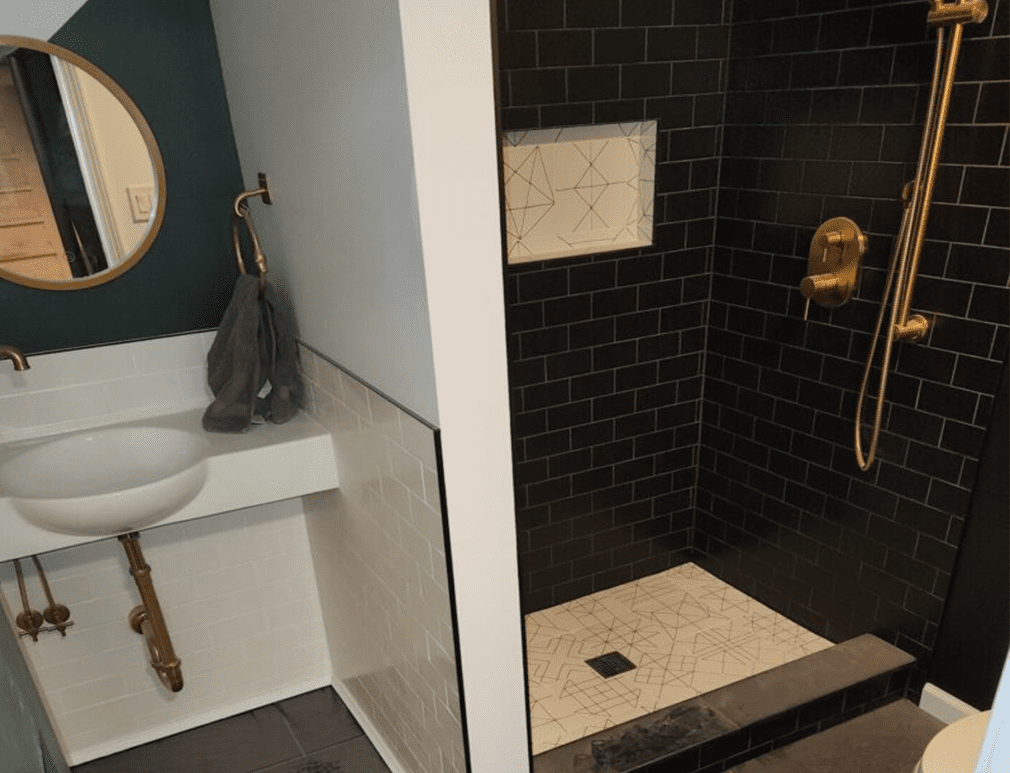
{"type": "Point", "coordinates": [942, 705]}
{"type": "Point", "coordinates": [193, 720]}
{"type": "Point", "coordinates": [371, 731]}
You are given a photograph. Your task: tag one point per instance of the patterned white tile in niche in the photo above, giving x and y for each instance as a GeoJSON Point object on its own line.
{"type": "Point", "coordinates": [686, 631]}
{"type": "Point", "coordinates": [579, 189]}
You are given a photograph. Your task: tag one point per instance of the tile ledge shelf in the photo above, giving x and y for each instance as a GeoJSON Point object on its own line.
{"type": "Point", "coordinates": [269, 463]}
{"type": "Point", "coordinates": [575, 251]}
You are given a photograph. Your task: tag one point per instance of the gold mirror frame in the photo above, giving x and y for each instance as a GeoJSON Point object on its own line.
{"type": "Point", "coordinates": [157, 165]}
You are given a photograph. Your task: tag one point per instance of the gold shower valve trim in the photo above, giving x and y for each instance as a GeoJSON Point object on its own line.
{"type": "Point", "coordinates": [833, 267]}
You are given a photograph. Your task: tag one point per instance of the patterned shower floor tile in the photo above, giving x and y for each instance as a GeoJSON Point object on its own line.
{"type": "Point", "coordinates": [687, 632]}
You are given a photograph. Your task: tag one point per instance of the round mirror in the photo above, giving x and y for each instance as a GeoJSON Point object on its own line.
{"type": "Point", "coordinates": [82, 184]}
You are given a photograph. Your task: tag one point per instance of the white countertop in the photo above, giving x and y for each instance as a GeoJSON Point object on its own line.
{"type": "Point", "coordinates": [269, 463]}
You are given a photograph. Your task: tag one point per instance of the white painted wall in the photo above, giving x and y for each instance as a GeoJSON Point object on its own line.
{"type": "Point", "coordinates": [318, 101]}
{"type": "Point", "coordinates": [995, 753]}
{"type": "Point", "coordinates": [447, 48]}
{"type": "Point", "coordinates": [36, 19]}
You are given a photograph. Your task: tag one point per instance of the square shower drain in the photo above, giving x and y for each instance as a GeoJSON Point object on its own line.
{"type": "Point", "coordinates": [610, 664]}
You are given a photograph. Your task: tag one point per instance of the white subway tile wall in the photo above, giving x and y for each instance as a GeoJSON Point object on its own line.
{"type": "Point", "coordinates": [383, 583]}
{"type": "Point", "coordinates": [240, 600]}
{"type": "Point", "coordinates": [80, 388]}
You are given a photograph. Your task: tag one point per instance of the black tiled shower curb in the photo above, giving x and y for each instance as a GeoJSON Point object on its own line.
{"type": "Point", "coordinates": [746, 719]}
{"type": "Point", "coordinates": [890, 739]}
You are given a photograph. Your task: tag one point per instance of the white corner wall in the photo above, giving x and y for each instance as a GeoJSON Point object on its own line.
{"type": "Point", "coordinates": [318, 102]}
{"type": "Point", "coordinates": [35, 19]}
{"type": "Point", "coordinates": [382, 574]}
{"type": "Point", "coordinates": [447, 47]}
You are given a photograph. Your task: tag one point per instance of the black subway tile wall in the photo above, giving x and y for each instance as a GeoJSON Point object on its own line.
{"type": "Point", "coordinates": [823, 116]}
{"type": "Point", "coordinates": [607, 351]}
{"type": "Point", "coordinates": [672, 402]}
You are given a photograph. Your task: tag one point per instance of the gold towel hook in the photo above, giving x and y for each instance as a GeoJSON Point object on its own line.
{"type": "Point", "coordinates": [263, 190]}
{"type": "Point", "coordinates": [241, 212]}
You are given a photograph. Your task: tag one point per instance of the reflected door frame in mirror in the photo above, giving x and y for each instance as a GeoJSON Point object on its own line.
{"type": "Point", "coordinates": [157, 167]}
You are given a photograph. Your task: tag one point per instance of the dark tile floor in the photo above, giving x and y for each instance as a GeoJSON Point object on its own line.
{"type": "Point", "coordinates": [310, 733]}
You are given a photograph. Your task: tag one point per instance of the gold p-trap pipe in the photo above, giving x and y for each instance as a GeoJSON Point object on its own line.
{"type": "Point", "coordinates": [147, 618]}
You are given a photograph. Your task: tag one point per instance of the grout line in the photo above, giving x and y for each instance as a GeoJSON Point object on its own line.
{"type": "Point", "coordinates": [291, 730]}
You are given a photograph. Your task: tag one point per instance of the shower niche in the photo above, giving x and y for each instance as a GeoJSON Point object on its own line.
{"type": "Point", "coordinates": [579, 189]}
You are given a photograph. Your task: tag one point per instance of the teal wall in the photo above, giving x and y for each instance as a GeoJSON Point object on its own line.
{"type": "Point", "coordinates": [165, 56]}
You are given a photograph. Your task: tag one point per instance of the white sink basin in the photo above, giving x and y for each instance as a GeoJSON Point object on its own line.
{"type": "Point", "coordinates": [104, 481]}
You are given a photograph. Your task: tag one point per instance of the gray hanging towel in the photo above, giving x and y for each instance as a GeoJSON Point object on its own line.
{"type": "Point", "coordinates": [279, 359]}
{"type": "Point", "coordinates": [254, 343]}
{"type": "Point", "coordinates": [233, 362]}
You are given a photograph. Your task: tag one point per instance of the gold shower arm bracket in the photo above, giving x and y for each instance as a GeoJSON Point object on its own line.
{"type": "Point", "coordinates": [914, 329]}
{"type": "Point", "coordinates": [970, 12]}
{"type": "Point", "coordinates": [836, 253]}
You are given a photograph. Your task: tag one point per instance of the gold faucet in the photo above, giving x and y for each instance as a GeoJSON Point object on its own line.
{"type": "Point", "coordinates": [15, 356]}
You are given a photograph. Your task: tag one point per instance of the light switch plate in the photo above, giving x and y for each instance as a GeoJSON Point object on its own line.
{"type": "Point", "coordinates": [141, 202]}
